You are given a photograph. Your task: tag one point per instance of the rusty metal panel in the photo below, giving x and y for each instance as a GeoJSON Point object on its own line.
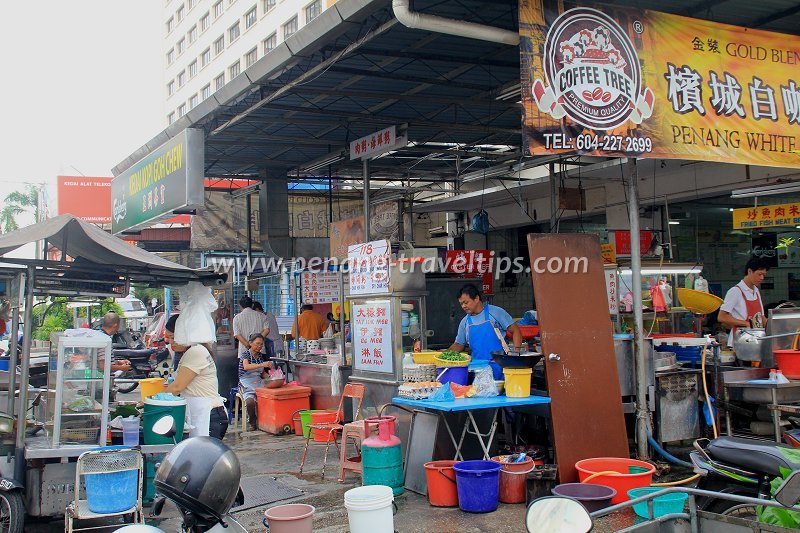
{"type": "Point", "coordinates": [588, 420]}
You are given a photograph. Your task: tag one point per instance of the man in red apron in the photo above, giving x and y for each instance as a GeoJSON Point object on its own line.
{"type": "Point", "coordinates": [743, 307]}
{"type": "Point", "coordinates": [483, 328]}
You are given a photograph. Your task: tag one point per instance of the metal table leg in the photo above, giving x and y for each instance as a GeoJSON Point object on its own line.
{"type": "Point", "coordinates": [776, 414]}
{"type": "Point", "coordinates": [479, 435]}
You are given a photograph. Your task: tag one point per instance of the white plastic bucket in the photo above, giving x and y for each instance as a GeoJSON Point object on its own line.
{"type": "Point", "coordinates": [369, 509]}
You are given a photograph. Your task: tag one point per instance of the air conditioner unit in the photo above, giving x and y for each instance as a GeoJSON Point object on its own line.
{"type": "Point", "coordinates": [438, 231]}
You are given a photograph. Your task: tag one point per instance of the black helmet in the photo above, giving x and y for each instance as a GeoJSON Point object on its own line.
{"type": "Point", "coordinates": [201, 475]}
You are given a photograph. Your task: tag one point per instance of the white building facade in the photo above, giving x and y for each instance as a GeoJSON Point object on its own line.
{"type": "Point", "coordinates": [207, 43]}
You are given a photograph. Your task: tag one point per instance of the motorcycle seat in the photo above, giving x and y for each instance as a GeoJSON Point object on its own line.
{"type": "Point", "coordinates": [755, 455]}
{"type": "Point", "coordinates": [135, 354]}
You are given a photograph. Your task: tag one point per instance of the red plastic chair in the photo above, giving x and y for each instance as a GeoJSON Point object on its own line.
{"type": "Point", "coordinates": [333, 429]}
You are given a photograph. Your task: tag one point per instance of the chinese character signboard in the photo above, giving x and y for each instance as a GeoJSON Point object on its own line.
{"type": "Point", "coordinates": [609, 252]}
{"type": "Point", "coordinates": [377, 143]}
{"type": "Point", "coordinates": [766, 216]}
{"type": "Point", "coordinates": [647, 84]}
{"type": "Point", "coordinates": [320, 287]}
{"type": "Point", "coordinates": [369, 267]}
{"type": "Point", "coordinates": [472, 262]}
{"type": "Point", "coordinates": [622, 241]}
{"type": "Point", "coordinates": [168, 178]}
{"type": "Point", "coordinates": [612, 290]}
{"type": "Point", "coordinates": [372, 336]}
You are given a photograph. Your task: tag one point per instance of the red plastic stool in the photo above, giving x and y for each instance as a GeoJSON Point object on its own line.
{"type": "Point", "coordinates": [354, 431]}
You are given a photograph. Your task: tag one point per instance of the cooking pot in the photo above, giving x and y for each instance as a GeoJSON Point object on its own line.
{"type": "Point", "coordinates": [747, 343]}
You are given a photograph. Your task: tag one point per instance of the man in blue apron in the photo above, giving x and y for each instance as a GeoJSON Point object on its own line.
{"type": "Point", "coordinates": [483, 328]}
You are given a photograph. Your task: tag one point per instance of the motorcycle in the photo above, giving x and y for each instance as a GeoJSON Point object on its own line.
{"type": "Point", "coordinates": [739, 466]}
{"type": "Point", "coordinates": [132, 361]}
{"type": "Point", "coordinates": [201, 476]}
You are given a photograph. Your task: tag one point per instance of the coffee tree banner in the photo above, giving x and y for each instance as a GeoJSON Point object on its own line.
{"type": "Point", "coordinates": [647, 84]}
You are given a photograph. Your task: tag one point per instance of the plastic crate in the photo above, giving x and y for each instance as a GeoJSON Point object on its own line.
{"type": "Point", "coordinates": [686, 354]}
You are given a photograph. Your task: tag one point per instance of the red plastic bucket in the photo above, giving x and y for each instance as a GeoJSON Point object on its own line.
{"type": "Point", "coordinates": [512, 479]}
{"type": "Point", "coordinates": [789, 362]}
{"type": "Point", "coordinates": [623, 481]}
{"type": "Point", "coordinates": [297, 422]}
{"type": "Point", "coordinates": [442, 488]}
{"type": "Point", "coordinates": [323, 417]}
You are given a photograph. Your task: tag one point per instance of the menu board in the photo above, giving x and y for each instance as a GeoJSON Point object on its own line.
{"type": "Point", "coordinates": [372, 336]}
{"type": "Point", "coordinates": [369, 267]}
{"type": "Point", "coordinates": [320, 287]}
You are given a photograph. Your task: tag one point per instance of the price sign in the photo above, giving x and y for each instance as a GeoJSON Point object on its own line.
{"type": "Point", "coordinates": [320, 287]}
{"type": "Point", "coordinates": [372, 336]}
{"type": "Point", "coordinates": [369, 267]}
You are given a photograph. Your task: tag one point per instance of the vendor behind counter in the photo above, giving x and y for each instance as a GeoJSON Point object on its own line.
{"type": "Point", "coordinates": [483, 328]}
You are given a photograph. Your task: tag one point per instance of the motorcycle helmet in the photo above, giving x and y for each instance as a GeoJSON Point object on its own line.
{"type": "Point", "coordinates": [201, 475]}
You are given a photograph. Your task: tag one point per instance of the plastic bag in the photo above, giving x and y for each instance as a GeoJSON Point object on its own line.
{"type": "Point", "coordinates": [275, 373]}
{"type": "Point", "coordinates": [195, 324]}
{"type": "Point", "coordinates": [443, 394]}
{"type": "Point", "coordinates": [484, 382]}
{"type": "Point", "coordinates": [462, 391]}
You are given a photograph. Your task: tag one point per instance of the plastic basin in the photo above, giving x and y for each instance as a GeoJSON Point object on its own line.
{"type": "Point", "coordinates": [623, 481]}
{"type": "Point", "coordinates": [593, 497]}
{"type": "Point", "coordinates": [662, 505]}
{"type": "Point", "coordinates": [789, 362]}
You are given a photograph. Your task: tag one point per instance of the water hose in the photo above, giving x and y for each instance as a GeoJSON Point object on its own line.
{"type": "Point", "coordinates": [705, 391]}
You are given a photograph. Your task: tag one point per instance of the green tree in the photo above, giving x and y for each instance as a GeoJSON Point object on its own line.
{"type": "Point", "coordinates": [18, 202]}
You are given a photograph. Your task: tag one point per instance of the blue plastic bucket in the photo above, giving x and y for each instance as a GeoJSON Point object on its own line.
{"type": "Point", "coordinates": [456, 374]}
{"type": "Point", "coordinates": [478, 484]}
{"type": "Point", "coordinates": [113, 492]}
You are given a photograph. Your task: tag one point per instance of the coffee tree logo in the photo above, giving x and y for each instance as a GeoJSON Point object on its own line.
{"type": "Point", "coordinates": [592, 73]}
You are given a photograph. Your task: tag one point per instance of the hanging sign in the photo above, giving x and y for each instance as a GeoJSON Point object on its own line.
{"type": "Point", "coordinates": [472, 262]}
{"type": "Point", "coordinates": [612, 290]}
{"type": "Point", "coordinates": [609, 252]}
{"type": "Point", "coordinates": [368, 264]}
{"type": "Point", "coordinates": [766, 216]}
{"type": "Point", "coordinates": [639, 83]}
{"type": "Point", "coordinates": [377, 143]}
{"type": "Point", "coordinates": [622, 242]}
{"type": "Point", "coordinates": [320, 287]}
{"type": "Point", "coordinates": [372, 336]}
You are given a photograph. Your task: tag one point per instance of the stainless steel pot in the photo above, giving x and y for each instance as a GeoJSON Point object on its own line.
{"type": "Point", "coordinates": [747, 343]}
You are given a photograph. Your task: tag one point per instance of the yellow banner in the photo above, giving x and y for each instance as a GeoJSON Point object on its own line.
{"type": "Point", "coordinates": [647, 84]}
{"type": "Point", "coordinates": [767, 216]}
{"type": "Point", "coordinates": [609, 253]}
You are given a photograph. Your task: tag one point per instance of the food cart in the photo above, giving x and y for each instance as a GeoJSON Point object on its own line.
{"type": "Point", "coordinates": [39, 469]}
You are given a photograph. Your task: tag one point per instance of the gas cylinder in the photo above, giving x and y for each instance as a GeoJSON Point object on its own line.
{"type": "Point", "coordinates": [382, 454]}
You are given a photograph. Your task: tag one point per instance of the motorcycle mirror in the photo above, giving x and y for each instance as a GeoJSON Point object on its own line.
{"type": "Point", "coordinates": [788, 494]}
{"type": "Point", "coordinates": [158, 505]}
{"type": "Point", "coordinates": [165, 426]}
{"type": "Point", "coordinates": [139, 528]}
{"type": "Point", "coordinates": [554, 514]}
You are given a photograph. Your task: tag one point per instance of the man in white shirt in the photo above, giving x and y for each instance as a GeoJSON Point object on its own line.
{"type": "Point", "coordinates": [248, 322]}
{"type": "Point", "coordinates": [743, 307]}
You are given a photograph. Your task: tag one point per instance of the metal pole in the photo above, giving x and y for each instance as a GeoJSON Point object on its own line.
{"type": "Point", "coordinates": [249, 235]}
{"type": "Point", "coordinates": [13, 349]}
{"type": "Point", "coordinates": [552, 197]}
{"type": "Point", "coordinates": [639, 353]}
{"type": "Point", "coordinates": [341, 317]}
{"type": "Point", "coordinates": [19, 456]}
{"type": "Point", "coordinates": [366, 200]}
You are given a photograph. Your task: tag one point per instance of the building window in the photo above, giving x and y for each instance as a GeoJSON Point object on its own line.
{"type": "Point", "coordinates": [181, 110]}
{"type": "Point", "coordinates": [234, 70]}
{"type": "Point", "coordinates": [219, 81]}
{"type": "Point", "coordinates": [171, 118]}
{"type": "Point", "coordinates": [179, 14]}
{"type": "Point", "coordinates": [270, 43]}
{"type": "Point", "coordinates": [218, 9]}
{"type": "Point", "coordinates": [171, 88]}
{"type": "Point", "coordinates": [250, 57]}
{"type": "Point", "coordinates": [181, 78]}
{"type": "Point", "coordinates": [170, 25]}
{"type": "Point", "coordinates": [313, 10]}
{"type": "Point", "coordinates": [267, 5]}
{"type": "Point", "coordinates": [191, 3]}
{"type": "Point", "coordinates": [205, 57]}
{"type": "Point", "coordinates": [219, 45]}
{"type": "Point", "coordinates": [250, 18]}
{"type": "Point", "coordinates": [231, 1]}
{"type": "Point", "coordinates": [290, 28]}
{"type": "Point", "coordinates": [233, 32]}
{"type": "Point", "coordinates": [205, 21]}
{"type": "Point", "coordinates": [193, 101]}
{"type": "Point", "coordinates": [170, 56]}
{"type": "Point", "coordinates": [193, 69]}
{"type": "Point", "coordinates": [206, 92]}
{"type": "Point", "coordinates": [193, 34]}
{"type": "Point", "coordinates": [181, 46]}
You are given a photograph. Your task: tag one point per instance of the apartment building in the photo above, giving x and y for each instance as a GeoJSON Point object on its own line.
{"type": "Point", "coordinates": [207, 43]}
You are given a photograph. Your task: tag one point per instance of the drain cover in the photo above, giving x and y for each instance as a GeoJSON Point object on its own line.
{"type": "Point", "coordinates": [263, 490]}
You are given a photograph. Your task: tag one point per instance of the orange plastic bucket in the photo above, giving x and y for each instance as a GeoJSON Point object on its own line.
{"type": "Point", "coordinates": [442, 490]}
{"type": "Point", "coordinates": [297, 422]}
{"type": "Point", "coordinates": [623, 481]}
{"type": "Point", "coordinates": [512, 479]}
{"type": "Point", "coordinates": [323, 417]}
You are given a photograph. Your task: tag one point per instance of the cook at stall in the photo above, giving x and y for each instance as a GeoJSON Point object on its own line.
{"type": "Point", "coordinates": [743, 307]}
{"type": "Point", "coordinates": [483, 328]}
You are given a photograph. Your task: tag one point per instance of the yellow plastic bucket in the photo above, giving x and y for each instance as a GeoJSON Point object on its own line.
{"type": "Point", "coordinates": [518, 382]}
{"type": "Point", "coordinates": [151, 386]}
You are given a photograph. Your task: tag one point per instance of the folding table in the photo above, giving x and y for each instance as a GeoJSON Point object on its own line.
{"type": "Point", "coordinates": [494, 403]}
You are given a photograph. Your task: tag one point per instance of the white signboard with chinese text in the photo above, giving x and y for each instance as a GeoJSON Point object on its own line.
{"type": "Point", "coordinates": [369, 267]}
{"type": "Point", "coordinates": [377, 143]}
{"type": "Point", "coordinates": [320, 287]}
{"type": "Point", "coordinates": [372, 336]}
{"type": "Point", "coordinates": [612, 290]}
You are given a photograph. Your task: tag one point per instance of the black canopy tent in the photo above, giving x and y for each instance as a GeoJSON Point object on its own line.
{"type": "Point", "coordinates": [102, 265]}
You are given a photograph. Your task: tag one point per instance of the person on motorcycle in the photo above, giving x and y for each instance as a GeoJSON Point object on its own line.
{"type": "Point", "coordinates": [252, 367]}
{"type": "Point", "coordinates": [110, 326]}
{"type": "Point", "coordinates": [196, 381]}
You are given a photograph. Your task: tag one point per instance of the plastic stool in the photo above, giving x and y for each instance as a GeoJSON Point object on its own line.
{"type": "Point", "coordinates": [239, 425]}
{"type": "Point", "coordinates": [354, 431]}
{"type": "Point", "coordinates": [231, 403]}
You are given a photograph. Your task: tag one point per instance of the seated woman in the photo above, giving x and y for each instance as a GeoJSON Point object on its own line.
{"type": "Point", "coordinates": [252, 365]}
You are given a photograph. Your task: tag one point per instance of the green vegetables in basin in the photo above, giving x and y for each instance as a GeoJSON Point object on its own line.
{"type": "Point", "coordinates": [450, 355]}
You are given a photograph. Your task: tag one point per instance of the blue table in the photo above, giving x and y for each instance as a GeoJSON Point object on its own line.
{"type": "Point", "coordinates": [473, 404]}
